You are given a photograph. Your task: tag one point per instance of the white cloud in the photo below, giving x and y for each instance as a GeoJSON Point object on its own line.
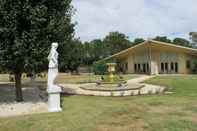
{"type": "Point", "coordinates": [136, 18]}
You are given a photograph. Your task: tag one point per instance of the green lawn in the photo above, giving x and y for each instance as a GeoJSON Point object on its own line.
{"type": "Point", "coordinates": [65, 78]}
{"type": "Point", "coordinates": [175, 112]}
{"type": "Point", "coordinates": [62, 78]}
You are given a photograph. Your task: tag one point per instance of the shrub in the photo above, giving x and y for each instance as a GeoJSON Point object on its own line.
{"type": "Point", "coordinates": [194, 70]}
{"type": "Point", "coordinates": [100, 68]}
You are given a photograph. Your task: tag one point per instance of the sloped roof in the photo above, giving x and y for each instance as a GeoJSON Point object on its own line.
{"type": "Point", "coordinates": [154, 42]}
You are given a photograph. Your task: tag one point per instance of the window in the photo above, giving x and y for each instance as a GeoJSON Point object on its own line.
{"type": "Point", "coordinates": [139, 67]}
{"type": "Point", "coordinates": [166, 66]}
{"type": "Point", "coordinates": [147, 67]}
{"type": "Point", "coordinates": [172, 66]}
{"type": "Point", "coordinates": [188, 64]}
{"type": "Point", "coordinates": [144, 68]}
{"type": "Point", "coordinates": [126, 66]}
{"type": "Point", "coordinates": [162, 67]}
{"type": "Point", "coordinates": [135, 67]}
{"type": "Point", "coordinates": [176, 67]}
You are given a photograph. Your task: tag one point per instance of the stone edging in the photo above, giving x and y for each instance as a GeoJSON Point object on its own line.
{"type": "Point", "coordinates": [113, 89]}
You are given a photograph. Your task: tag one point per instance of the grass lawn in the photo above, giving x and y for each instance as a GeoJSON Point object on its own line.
{"type": "Point", "coordinates": [65, 78]}
{"type": "Point", "coordinates": [175, 112]}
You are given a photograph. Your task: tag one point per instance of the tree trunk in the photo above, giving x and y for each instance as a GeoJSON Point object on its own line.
{"type": "Point", "coordinates": [19, 95]}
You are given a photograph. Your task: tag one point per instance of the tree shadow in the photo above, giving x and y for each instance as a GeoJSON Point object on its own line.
{"type": "Point", "coordinates": [32, 94]}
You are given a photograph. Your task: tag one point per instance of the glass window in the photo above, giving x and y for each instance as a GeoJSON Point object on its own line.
{"type": "Point", "coordinates": [144, 68]}
{"type": "Point", "coordinates": [172, 66]}
{"type": "Point", "coordinates": [176, 67]}
{"type": "Point", "coordinates": [162, 67]}
{"type": "Point", "coordinates": [126, 66]}
{"type": "Point", "coordinates": [166, 66]}
{"type": "Point", "coordinates": [188, 64]}
{"type": "Point", "coordinates": [139, 67]}
{"type": "Point", "coordinates": [147, 67]}
{"type": "Point", "coordinates": [135, 67]}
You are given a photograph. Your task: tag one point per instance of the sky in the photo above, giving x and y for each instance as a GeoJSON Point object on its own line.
{"type": "Point", "coordinates": [135, 18]}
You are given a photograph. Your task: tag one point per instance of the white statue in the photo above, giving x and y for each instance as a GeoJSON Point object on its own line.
{"type": "Point", "coordinates": [52, 89]}
{"type": "Point", "coordinates": [53, 67]}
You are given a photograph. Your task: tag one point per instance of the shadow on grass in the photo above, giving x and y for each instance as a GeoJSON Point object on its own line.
{"type": "Point", "coordinates": [31, 93]}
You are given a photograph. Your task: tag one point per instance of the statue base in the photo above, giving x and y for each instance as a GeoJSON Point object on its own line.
{"type": "Point", "coordinates": [54, 99]}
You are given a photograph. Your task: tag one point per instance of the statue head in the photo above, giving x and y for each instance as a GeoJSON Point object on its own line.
{"type": "Point", "coordinates": [54, 45]}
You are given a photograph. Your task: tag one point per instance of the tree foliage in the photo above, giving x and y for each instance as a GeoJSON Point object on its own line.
{"type": "Point", "coordinates": [27, 28]}
{"type": "Point", "coordinates": [94, 50]}
{"type": "Point", "coordinates": [72, 55]}
{"type": "Point", "coordinates": [138, 41]}
{"type": "Point", "coordinates": [100, 68]}
{"type": "Point", "coordinates": [193, 36]}
{"type": "Point", "coordinates": [116, 42]}
{"type": "Point", "coordinates": [98, 49]}
{"type": "Point", "coordinates": [162, 39]}
{"type": "Point", "coordinates": [182, 42]}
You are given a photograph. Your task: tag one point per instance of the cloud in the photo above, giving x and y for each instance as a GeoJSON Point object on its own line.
{"type": "Point", "coordinates": [136, 18]}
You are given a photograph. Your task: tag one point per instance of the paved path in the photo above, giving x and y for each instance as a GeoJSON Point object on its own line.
{"type": "Point", "coordinates": [140, 79]}
{"type": "Point", "coordinates": [133, 83]}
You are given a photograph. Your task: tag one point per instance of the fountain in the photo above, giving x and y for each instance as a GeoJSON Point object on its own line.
{"type": "Point", "coordinates": [113, 85]}
{"type": "Point", "coordinates": [111, 69]}
{"type": "Point", "coordinates": [108, 82]}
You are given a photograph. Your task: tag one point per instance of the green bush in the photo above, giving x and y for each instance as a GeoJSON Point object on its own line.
{"type": "Point", "coordinates": [194, 70]}
{"type": "Point", "coordinates": [100, 68]}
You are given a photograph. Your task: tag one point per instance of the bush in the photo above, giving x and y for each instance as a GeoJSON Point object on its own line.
{"type": "Point", "coordinates": [100, 68]}
{"type": "Point", "coordinates": [194, 70]}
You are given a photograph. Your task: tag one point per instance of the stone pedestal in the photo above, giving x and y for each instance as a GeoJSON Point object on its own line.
{"type": "Point", "coordinates": [54, 99]}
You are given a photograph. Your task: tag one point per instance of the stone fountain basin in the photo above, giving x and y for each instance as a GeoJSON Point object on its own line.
{"type": "Point", "coordinates": [111, 87]}
{"type": "Point", "coordinates": [93, 89]}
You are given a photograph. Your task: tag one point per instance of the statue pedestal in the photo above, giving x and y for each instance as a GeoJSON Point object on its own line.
{"type": "Point", "coordinates": [54, 99]}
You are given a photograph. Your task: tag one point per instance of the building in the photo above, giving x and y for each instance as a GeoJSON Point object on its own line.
{"type": "Point", "coordinates": [154, 57]}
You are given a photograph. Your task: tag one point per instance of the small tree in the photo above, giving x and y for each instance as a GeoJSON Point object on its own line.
{"type": "Point", "coordinates": [194, 68]}
{"type": "Point", "coordinates": [27, 28]}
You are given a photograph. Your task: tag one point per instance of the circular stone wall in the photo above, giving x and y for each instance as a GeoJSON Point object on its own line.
{"type": "Point", "coordinates": [130, 90]}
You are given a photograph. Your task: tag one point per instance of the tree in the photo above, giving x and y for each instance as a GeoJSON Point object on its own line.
{"type": "Point", "coordinates": [99, 49]}
{"type": "Point", "coordinates": [94, 51]}
{"type": "Point", "coordinates": [182, 42]}
{"type": "Point", "coordinates": [72, 55]}
{"type": "Point", "coordinates": [162, 39]}
{"type": "Point", "coordinates": [116, 42]}
{"type": "Point", "coordinates": [27, 29]}
{"type": "Point", "coordinates": [138, 41]}
{"type": "Point", "coordinates": [193, 36]}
